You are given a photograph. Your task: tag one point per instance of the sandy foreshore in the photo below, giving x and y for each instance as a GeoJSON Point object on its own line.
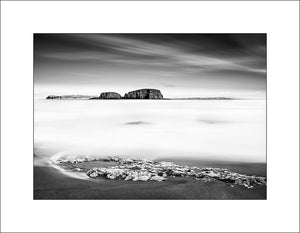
{"type": "Point", "coordinates": [50, 183]}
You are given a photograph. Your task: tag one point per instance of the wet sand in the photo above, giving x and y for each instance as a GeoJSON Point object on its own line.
{"type": "Point", "coordinates": [49, 183]}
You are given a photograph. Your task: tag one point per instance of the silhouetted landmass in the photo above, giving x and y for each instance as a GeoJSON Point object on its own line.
{"type": "Point", "coordinates": [137, 94]}
{"type": "Point", "coordinates": [64, 97]}
{"type": "Point", "coordinates": [144, 94]}
{"type": "Point", "coordinates": [110, 95]}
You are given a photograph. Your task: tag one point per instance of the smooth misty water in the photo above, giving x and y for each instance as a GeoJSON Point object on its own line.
{"type": "Point", "coordinates": [218, 130]}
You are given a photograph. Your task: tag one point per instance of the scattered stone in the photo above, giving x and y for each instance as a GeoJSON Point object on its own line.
{"type": "Point", "coordinates": [93, 174]}
{"type": "Point", "coordinates": [142, 178]}
{"type": "Point", "coordinates": [206, 179]}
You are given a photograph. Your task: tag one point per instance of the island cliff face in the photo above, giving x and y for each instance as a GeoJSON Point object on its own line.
{"type": "Point", "coordinates": [144, 94]}
{"type": "Point", "coordinates": [110, 95]}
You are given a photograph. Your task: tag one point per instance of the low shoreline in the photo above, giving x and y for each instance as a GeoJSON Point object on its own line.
{"type": "Point", "coordinates": [50, 183]}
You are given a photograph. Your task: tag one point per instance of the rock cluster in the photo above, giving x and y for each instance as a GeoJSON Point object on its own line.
{"type": "Point", "coordinates": [144, 94]}
{"type": "Point", "coordinates": [147, 170]}
{"type": "Point", "coordinates": [137, 94]}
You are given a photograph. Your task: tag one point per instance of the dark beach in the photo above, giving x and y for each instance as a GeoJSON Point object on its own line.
{"type": "Point", "coordinates": [50, 183]}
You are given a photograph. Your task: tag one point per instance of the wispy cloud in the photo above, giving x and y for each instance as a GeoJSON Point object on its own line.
{"type": "Point", "coordinates": [170, 56]}
{"type": "Point", "coordinates": [128, 51]}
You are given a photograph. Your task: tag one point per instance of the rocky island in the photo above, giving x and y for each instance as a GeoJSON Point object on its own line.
{"type": "Point", "coordinates": [144, 94]}
{"type": "Point", "coordinates": [137, 94]}
{"type": "Point", "coordinates": [147, 170]}
{"type": "Point", "coordinates": [110, 95]}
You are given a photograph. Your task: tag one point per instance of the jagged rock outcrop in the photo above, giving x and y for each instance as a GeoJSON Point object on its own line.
{"type": "Point", "coordinates": [110, 95]}
{"type": "Point", "coordinates": [148, 170]}
{"type": "Point", "coordinates": [71, 97]}
{"type": "Point", "coordinates": [144, 94]}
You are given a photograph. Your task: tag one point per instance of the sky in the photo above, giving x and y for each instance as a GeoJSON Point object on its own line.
{"type": "Point", "coordinates": [180, 65]}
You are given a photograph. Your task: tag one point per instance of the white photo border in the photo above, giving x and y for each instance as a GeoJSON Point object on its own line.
{"type": "Point", "coordinates": [20, 20]}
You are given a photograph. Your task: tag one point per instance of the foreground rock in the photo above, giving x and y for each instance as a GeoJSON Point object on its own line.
{"type": "Point", "coordinates": [110, 95]}
{"type": "Point", "coordinates": [144, 94]}
{"type": "Point", "coordinates": [147, 170]}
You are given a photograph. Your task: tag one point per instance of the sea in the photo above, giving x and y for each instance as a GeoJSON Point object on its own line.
{"type": "Point", "coordinates": [221, 130]}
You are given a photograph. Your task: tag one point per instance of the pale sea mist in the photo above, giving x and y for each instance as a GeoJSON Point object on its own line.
{"type": "Point", "coordinates": [226, 130]}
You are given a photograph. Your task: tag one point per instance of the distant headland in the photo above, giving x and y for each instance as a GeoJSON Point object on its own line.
{"type": "Point", "coordinates": [137, 94]}
{"type": "Point", "coordinates": [145, 93]}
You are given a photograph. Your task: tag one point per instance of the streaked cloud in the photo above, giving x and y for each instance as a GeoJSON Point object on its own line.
{"type": "Point", "coordinates": [169, 56]}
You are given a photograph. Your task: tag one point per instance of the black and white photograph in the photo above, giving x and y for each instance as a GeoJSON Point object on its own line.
{"type": "Point", "coordinates": [150, 116]}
